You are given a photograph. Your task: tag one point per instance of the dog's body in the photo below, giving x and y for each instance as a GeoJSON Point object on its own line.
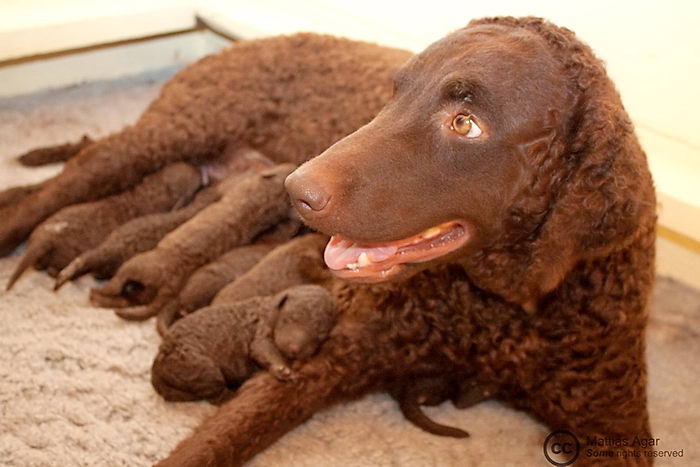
{"type": "Point", "coordinates": [500, 203]}
{"type": "Point", "coordinates": [507, 151]}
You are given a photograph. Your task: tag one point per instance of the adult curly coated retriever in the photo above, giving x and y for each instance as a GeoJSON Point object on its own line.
{"type": "Point", "coordinates": [492, 225]}
{"type": "Point", "coordinates": [494, 222]}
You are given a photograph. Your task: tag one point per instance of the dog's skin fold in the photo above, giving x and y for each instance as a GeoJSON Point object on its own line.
{"type": "Point", "coordinates": [546, 301]}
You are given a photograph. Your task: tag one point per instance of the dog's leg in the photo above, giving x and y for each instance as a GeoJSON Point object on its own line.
{"type": "Point", "coordinates": [105, 167]}
{"type": "Point", "coordinates": [352, 362]}
{"type": "Point", "coordinates": [53, 154]}
{"type": "Point", "coordinates": [263, 410]}
{"type": "Point", "coordinates": [603, 407]}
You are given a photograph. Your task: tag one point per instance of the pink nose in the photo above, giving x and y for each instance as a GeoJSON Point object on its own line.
{"type": "Point", "coordinates": [308, 196]}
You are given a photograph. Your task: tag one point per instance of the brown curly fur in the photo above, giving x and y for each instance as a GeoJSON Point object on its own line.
{"type": "Point", "coordinates": [203, 285]}
{"type": "Point", "coordinates": [207, 281]}
{"type": "Point", "coordinates": [133, 237]}
{"type": "Point", "coordinates": [14, 195]}
{"type": "Point", "coordinates": [549, 312]}
{"type": "Point", "coordinates": [75, 229]}
{"type": "Point", "coordinates": [144, 233]}
{"type": "Point", "coordinates": [207, 354]}
{"type": "Point", "coordinates": [288, 97]}
{"type": "Point", "coordinates": [296, 262]}
{"type": "Point", "coordinates": [53, 154]}
{"type": "Point", "coordinates": [251, 203]}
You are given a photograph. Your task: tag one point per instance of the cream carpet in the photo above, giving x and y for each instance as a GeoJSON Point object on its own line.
{"type": "Point", "coordinates": [74, 380]}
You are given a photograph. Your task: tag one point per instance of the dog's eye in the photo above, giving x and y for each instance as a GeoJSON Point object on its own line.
{"type": "Point", "coordinates": [465, 126]}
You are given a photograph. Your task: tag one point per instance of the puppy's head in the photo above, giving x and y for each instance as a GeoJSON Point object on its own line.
{"type": "Point", "coordinates": [306, 316]}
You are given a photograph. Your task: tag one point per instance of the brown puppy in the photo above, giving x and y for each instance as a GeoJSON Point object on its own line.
{"type": "Point", "coordinates": [144, 233]}
{"type": "Point", "coordinates": [296, 262]}
{"type": "Point", "coordinates": [505, 193]}
{"type": "Point", "coordinates": [75, 229]}
{"type": "Point", "coordinates": [251, 203]}
{"type": "Point", "coordinates": [426, 391]}
{"type": "Point", "coordinates": [209, 353]}
{"type": "Point", "coordinates": [434, 390]}
{"type": "Point", "coordinates": [289, 97]}
{"type": "Point", "coordinates": [129, 239]}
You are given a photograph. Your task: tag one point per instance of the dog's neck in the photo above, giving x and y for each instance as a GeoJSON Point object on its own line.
{"type": "Point", "coordinates": [511, 273]}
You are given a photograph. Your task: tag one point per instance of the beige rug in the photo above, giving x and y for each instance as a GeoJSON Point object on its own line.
{"type": "Point", "coordinates": [74, 380]}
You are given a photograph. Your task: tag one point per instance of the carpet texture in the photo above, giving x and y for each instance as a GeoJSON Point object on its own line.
{"type": "Point", "coordinates": [74, 380]}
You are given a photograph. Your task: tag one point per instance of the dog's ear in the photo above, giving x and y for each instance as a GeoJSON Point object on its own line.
{"type": "Point", "coordinates": [603, 198]}
{"type": "Point", "coordinates": [590, 193]}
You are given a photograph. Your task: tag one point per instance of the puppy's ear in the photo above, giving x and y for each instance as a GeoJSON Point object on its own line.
{"type": "Point", "coordinates": [280, 299]}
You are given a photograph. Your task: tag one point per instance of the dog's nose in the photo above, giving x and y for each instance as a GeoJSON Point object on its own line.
{"type": "Point", "coordinates": [307, 194]}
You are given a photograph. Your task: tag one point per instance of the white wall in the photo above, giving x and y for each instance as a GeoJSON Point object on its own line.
{"type": "Point", "coordinates": [651, 47]}
{"type": "Point", "coordinates": [29, 27]}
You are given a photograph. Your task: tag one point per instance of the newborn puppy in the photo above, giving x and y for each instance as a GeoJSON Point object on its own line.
{"type": "Point", "coordinates": [208, 354]}
{"type": "Point", "coordinates": [429, 390]}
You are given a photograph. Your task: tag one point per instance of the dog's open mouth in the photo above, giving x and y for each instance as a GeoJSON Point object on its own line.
{"type": "Point", "coordinates": [374, 262]}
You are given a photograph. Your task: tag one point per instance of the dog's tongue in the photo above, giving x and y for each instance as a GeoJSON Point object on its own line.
{"type": "Point", "coordinates": [341, 252]}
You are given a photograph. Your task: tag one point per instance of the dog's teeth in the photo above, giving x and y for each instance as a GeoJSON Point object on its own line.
{"type": "Point", "coordinates": [352, 267]}
{"type": "Point", "coordinates": [363, 260]}
{"type": "Point", "coordinates": [431, 232]}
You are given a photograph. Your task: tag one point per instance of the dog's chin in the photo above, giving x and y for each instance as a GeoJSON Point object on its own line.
{"type": "Point", "coordinates": [398, 259]}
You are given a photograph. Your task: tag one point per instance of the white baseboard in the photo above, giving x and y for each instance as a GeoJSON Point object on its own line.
{"type": "Point", "coordinates": [107, 63]}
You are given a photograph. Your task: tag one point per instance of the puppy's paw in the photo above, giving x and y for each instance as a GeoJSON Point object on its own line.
{"type": "Point", "coordinates": [282, 372]}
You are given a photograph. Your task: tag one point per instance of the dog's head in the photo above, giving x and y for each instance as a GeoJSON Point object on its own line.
{"type": "Point", "coordinates": [497, 151]}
